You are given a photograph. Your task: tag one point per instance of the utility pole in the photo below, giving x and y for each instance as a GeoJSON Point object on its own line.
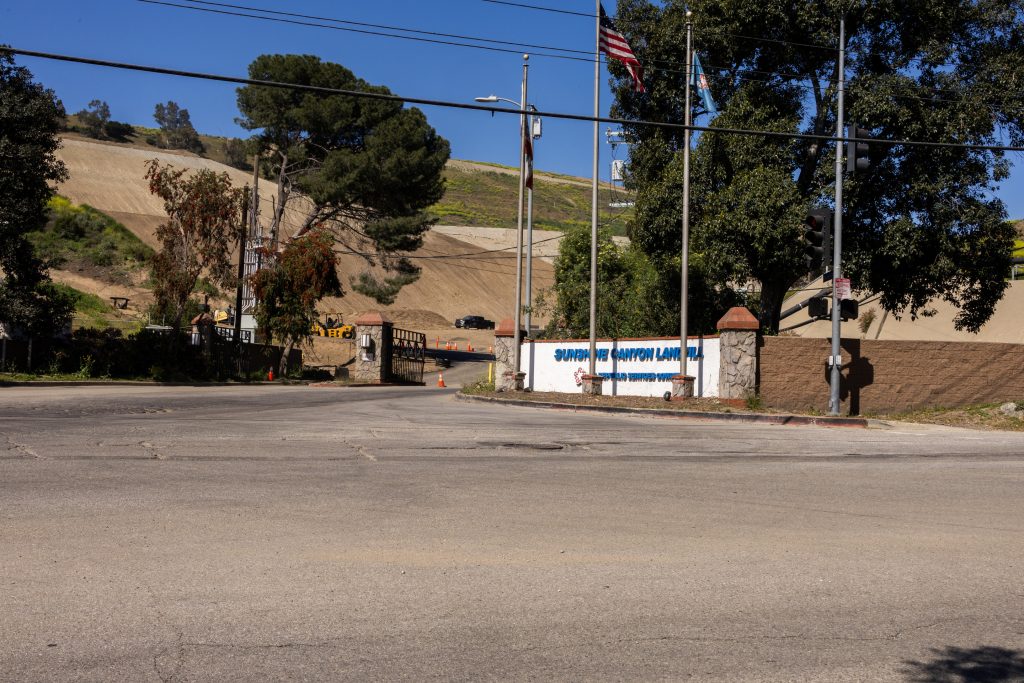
{"type": "Point", "coordinates": [534, 135]}
{"type": "Point", "coordinates": [516, 352]}
{"type": "Point", "coordinates": [243, 234]}
{"type": "Point", "coordinates": [835, 360]}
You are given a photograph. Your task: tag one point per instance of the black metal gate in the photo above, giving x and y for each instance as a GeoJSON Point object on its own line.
{"type": "Point", "coordinates": [406, 352]}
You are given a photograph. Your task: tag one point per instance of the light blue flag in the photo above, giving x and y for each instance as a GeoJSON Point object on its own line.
{"type": "Point", "coordinates": [701, 82]}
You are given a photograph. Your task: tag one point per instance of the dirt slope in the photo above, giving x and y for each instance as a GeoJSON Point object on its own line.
{"type": "Point", "coordinates": [1005, 325]}
{"type": "Point", "coordinates": [457, 279]}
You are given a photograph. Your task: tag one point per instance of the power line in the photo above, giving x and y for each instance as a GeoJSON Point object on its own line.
{"type": "Point", "coordinates": [660, 65]}
{"type": "Point", "coordinates": [380, 26]}
{"type": "Point", "coordinates": [439, 255]}
{"type": "Point", "coordinates": [297, 22]}
{"type": "Point", "coordinates": [498, 110]}
{"type": "Point", "coordinates": [590, 15]}
{"type": "Point", "coordinates": [542, 8]}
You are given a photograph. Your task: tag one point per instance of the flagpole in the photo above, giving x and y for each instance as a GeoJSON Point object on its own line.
{"type": "Point", "coordinates": [593, 207]}
{"type": "Point", "coordinates": [684, 294]}
{"type": "Point", "coordinates": [519, 230]}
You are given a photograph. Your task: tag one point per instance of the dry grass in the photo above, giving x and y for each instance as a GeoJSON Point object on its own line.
{"type": "Point", "coordinates": [986, 417]}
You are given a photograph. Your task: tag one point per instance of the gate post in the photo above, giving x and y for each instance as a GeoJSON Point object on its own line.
{"type": "Point", "coordinates": [373, 348]}
{"type": "Point", "coordinates": [505, 377]}
{"type": "Point", "coordinates": [737, 369]}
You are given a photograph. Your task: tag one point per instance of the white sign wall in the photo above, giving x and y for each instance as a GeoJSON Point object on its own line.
{"type": "Point", "coordinates": [639, 367]}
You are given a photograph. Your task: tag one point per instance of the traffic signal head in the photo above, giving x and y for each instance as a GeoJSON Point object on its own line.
{"type": "Point", "coordinates": [817, 307]}
{"type": "Point", "coordinates": [849, 309]}
{"type": "Point", "coordinates": [857, 149]}
{"type": "Point", "coordinates": [818, 235]}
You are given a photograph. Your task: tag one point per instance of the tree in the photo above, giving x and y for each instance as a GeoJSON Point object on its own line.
{"type": "Point", "coordinates": [920, 224]}
{"type": "Point", "coordinates": [367, 168]}
{"type": "Point", "coordinates": [304, 272]}
{"type": "Point", "coordinates": [30, 117]}
{"type": "Point", "coordinates": [237, 155]}
{"type": "Point", "coordinates": [203, 211]}
{"type": "Point", "coordinates": [94, 119]}
{"type": "Point", "coordinates": [176, 131]}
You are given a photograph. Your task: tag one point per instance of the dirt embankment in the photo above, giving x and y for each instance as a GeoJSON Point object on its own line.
{"type": "Point", "coordinates": [458, 278]}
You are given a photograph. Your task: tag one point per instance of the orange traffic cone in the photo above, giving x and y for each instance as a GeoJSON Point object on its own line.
{"type": "Point", "coordinates": [469, 347]}
{"type": "Point", "coordinates": [440, 380]}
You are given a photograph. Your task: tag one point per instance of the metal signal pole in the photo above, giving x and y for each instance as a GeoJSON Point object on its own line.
{"type": "Point", "coordinates": [684, 294]}
{"type": "Point", "coordinates": [835, 360]}
{"type": "Point", "coordinates": [593, 207]}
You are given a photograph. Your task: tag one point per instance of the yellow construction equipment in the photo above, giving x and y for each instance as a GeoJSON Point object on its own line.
{"type": "Point", "coordinates": [334, 328]}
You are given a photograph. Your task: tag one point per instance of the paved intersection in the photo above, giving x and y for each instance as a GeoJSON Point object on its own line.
{"type": "Point", "coordinates": [230, 533]}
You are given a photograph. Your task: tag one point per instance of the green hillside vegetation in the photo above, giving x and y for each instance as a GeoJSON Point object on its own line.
{"type": "Point", "coordinates": [473, 198]}
{"type": "Point", "coordinates": [487, 199]}
{"type": "Point", "coordinates": [78, 237]}
{"type": "Point", "coordinates": [90, 310]}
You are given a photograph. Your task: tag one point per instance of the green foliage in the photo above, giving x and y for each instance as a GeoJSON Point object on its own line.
{"type": "Point", "coordinates": [94, 119]}
{"type": "Point", "coordinates": [488, 199]}
{"type": "Point", "coordinates": [288, 292]}
{"type": "Point", "coordinates": [480, 386]}
{"type": "Point", "coordinates": [361, 162]}
{"type": "Point", "coordinates": [236, 154]}
{"type": "Point", "coordinates": [634, 291]}
{"type": "Point", "coordinates": [176, 131]}
{"type": "Point", "coordinates": [90, 310]}
{"type": "Point", "coordinates": [82, 237]}
{"type": "Point", "coordinates": [920, 224]}
{"type": "Point", "coordinates": [30, 117]}
{"type": "Point", "coordinates": [203, 210]}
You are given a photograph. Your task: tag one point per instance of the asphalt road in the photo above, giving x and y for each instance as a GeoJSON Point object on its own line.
{"type": "Point", "coordinates": [296, 533]}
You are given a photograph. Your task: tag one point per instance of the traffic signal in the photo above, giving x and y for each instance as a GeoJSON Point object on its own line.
{"type": "Point", "coordinates": [818, 235]}
{"type": "Point", "coordinates": [857, 149]}
{"type": "Point", "coordinates": [817, 307]}
{"type": "Point", "coordinates": [848, 309]}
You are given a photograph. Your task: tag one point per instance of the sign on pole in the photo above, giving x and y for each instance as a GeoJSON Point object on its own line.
{"type": "Point", "coordinates": [842, 285]}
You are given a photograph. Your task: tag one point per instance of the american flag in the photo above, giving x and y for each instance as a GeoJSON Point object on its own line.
{"type": "Point", "coordinates": [614, 44]}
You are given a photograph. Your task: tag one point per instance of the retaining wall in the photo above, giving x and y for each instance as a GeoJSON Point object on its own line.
{"type": "Point", "coordinates": [889, 376]}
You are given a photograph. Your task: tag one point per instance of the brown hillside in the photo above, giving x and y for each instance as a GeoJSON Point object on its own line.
{"type": "Point", "coordinates": [456, 280]}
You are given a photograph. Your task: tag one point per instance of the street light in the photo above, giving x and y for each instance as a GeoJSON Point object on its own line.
{"type": "Point", "coordinates": [534, 133]}
{"type": "Point", "coordinates": [523, 132]}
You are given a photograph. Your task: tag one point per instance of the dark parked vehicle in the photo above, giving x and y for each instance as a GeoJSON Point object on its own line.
{"type": "Point", "coordinates": [475, 322]}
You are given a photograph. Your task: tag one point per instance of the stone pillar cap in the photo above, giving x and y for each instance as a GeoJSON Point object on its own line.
{"type": "Point", "coordinates": [371, 318]}
{"type": "Point", "coordinates": [506, 328]}
{"type": "Point", "coordinates": [738, 318]}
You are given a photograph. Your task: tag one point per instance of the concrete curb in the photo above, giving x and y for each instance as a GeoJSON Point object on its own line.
{"type": "Point", "coordinates": [801, 420]}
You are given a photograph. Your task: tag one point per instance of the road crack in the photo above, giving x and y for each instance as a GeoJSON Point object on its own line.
{"type": "Point", "coordinates": [22, 448]}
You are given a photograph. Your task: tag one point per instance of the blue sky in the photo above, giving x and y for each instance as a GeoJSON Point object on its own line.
{"type": "Point", "coordinates": [131, 31]}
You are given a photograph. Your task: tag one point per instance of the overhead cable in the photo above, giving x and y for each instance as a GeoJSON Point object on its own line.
{"type": "Point", "coordinates": [496, 110]}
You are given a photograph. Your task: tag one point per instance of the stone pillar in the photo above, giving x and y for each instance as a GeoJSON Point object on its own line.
{"type": "Point", "coordinates": [505, 378]}
{"type": "Point", "coordinates": [682, 386]}
{"type": "Point", "coordinates": [592, 385]}
{"type": "Point", "coordinates": [370, 362]}
{"type": "Point", "coordinates": [737, 370]}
